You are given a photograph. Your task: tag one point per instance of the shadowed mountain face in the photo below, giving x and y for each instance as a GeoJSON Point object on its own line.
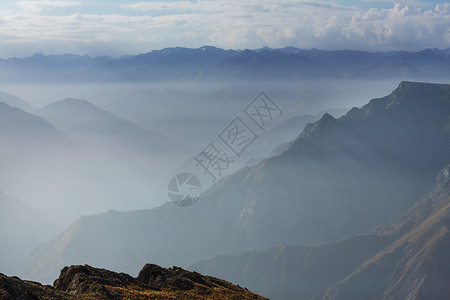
{"type": "Point", "coordinates": [404, 258]}
{"type": "Point", "coordinates": [153, 282]}
{"type": "Point", "coordinates": [339, 177]}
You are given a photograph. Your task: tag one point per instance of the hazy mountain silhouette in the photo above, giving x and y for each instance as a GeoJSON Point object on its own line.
{"type": "Point", "coordinates": [339, 177]}
{"type": "Point", "coordinates": [61, 175]}
{"type": "Point", "coordinates": [86, 121]}
{"type": "Point", "coordinates": [22, 228]}
{"type": "Point", "coordinates": [58, 68]}
{"type": "Point", "coordinates": [12, 100]}
{"type": "Point", "coordinates": [167, 64]}
{"type": "Point", "coordinates": [211, 63]}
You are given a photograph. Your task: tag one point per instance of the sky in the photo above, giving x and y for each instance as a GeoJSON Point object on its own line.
{"type": "Point", "coordinates": [132, 27]}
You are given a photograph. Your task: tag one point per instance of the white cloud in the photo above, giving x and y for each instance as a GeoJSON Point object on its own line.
{"type": "Point", "coordinates": [38, 6]}
{"type": "Point", "coordinates": [228, 24]}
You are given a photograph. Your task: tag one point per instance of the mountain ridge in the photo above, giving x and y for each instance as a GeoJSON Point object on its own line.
{"type": "Point", "coordinates": [211, 63]}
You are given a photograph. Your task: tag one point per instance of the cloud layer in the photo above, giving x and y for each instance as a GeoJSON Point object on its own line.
{"type": "Point", "coordinates": [48, 26]}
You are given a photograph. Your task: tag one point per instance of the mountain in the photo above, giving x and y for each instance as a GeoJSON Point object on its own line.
{"type": "Point", "coordinates": [154, 152]}
{"type": "Point", "coordinates": [397, 70]}
{"type": "Point", "coordinates": [154, 282]}
{"type": "Point", "coordinates": [404, 258]}
{"type": "Point", "coordinates": [57, 68]}
{"type": "Point", "coordinates": [86, 121]}
{"type": "Point", "coordinates": [22, 228]}
{"type": "Point", "coordinates": [339, 175]}
{"type": "Point", "coordinates": [278, 139]}
{"type": "Point", "coordinates": [23, 127]}
{"type": "Point", "coordinates": [265, 65]}
{"type": "Point", "coordinates": [61, 174]}
{"type": "Point", "coordinates": [12, 100]}
{"type": "Point", "coordinates": [415, 266]}
{"type": "Point", "coordinates": [294, 271]}
{"type": "Point", "coordinates": [209, 63]}
{"type": "Point", "coordinates": [267, 144]}
{"type": "Point", "coordinates": [336, 179]}
{"type": "Point", "coordinates": [167, 64]}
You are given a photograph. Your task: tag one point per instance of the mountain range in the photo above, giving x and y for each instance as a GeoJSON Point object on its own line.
{"type": "Point", "coordinates": [211, 63]}
{"type": "Point", "coordinates": [339, 177]}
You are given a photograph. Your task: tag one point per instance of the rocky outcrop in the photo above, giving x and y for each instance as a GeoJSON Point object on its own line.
{"type": "Point", "coordinates": [153, 282]}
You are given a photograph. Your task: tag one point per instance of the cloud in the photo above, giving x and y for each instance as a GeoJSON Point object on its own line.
{"type": "Point", "coordinates": [142, 26]}
{"type": "Point", "coordinates": [39, 5]}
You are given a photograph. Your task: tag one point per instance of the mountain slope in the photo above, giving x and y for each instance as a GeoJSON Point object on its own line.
{"type": "Point", "coordinates": [153, 282]}
{"type": "Point", "coordinates": [416, 266]}
{"type": "Point", "coordinates": [22, 228]}
{"type": "Point", "coordinates": [84, 120]}
{"type": "Point", "coordinates": [61, 174]}
{"type": "Point", "coordinates": [12, 100]}
{"type": "Point", "coordinates": [266, 65]}
{"type": "Point", "coordinates": [405, 258]}
{"type": "Point", "coordinates": [339, 176]}
{"type": "Point", "coordinates": [292, 271]}
{"type": "Point", "coordinates": [336, 179]}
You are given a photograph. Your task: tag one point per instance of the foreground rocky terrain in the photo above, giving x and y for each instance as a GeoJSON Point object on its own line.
{"type": "Point", "coordinates": [153, 282]}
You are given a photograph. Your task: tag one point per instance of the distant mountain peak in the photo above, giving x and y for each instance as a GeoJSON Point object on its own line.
{"type": "Point", "coordinates": [327, 118]}
{"type": "Point", "coordinates": [12, 100]}
{"type": "Point", "coordinates": [414, 85]}
{"type": "Point", "coordinates": [263, 48]}
{"type": "Point", "coordinates": [74, 104]}
{"type": "Point", "coordinates": [72, 101]}
{"type": "Point", "coordinates": [409, 95]}
{"type": "Point", "coordinates": [327, 121]}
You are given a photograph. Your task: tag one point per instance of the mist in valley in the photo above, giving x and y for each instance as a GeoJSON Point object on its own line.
{"type": "Point", "coordinates": [118, 149]}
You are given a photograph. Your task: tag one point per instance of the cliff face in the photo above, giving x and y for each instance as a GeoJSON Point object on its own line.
{"type": "Point", "coordinates": [155, 282]}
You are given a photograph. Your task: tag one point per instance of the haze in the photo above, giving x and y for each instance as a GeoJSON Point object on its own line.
{"type": "Point", "coordinates": [108, 112]}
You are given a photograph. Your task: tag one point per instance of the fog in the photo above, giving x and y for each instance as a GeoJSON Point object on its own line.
{"type": "Point", "coordinates": [91, 168]}
{"type": "Point", "coordinates": [176, 108]}
{"type": "Point", "coordinates": [86, 168]}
